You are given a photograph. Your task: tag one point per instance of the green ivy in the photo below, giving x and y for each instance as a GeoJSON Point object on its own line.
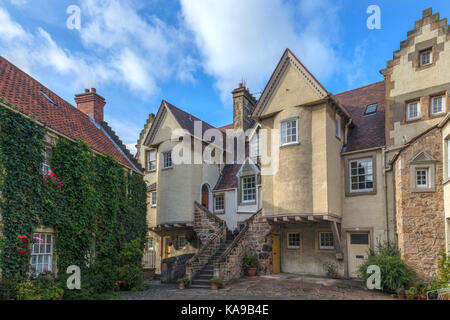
{"type": "Point", "coordinates": [100, 207]}
{"type": "Point", "coordinates": [21, 187]}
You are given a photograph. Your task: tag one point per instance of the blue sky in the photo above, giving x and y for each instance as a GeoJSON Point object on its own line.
{"type": "Point", "coordinates": [193, 53]}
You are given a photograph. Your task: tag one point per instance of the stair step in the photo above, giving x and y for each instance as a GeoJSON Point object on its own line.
{"type": "Point", "coordinates": [200, 286]}
{"type": "Point", "coordinates": [204, 276]}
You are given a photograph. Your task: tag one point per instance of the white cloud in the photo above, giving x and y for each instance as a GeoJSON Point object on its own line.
{"type": "Point", "coordinates": [245, 39]}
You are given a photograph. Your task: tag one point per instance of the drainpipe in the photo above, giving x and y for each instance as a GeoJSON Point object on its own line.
{"type": "Point", "coordinates": [386, 207]}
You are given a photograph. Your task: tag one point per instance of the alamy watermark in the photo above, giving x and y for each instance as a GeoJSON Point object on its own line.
{"type": "Point", "coordinates": [374, 20]}
{"type": "Point", "coordinates": [374, 280]}
{"type": "Point", "coordinates": [74, 20]}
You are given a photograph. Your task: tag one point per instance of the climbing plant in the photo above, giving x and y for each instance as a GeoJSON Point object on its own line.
{"type": "Point", "coordinates": [21, 200]}
{"type": "Point", "coordinates": [93, 204]}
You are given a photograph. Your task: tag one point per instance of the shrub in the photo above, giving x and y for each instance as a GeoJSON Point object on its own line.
{"type": "Point", "coordinates": [395, 274]}
{"type": "Point", "coordinates": [217, 281]}
{"type": "Point", "coordinates": [8, 289]}
{"type": "Point", "coordinates": [186, 281]}
{"type": "Point", "coordinates": [43, 288]}
{"type": "Point", "coordinates": [250, 261]}
{"type": "Point", "coordinates": [131, 270]}
{"type": "Point", "coordinates": [444, 269]}
{"type": "Point", "coordinates": [330, 267]}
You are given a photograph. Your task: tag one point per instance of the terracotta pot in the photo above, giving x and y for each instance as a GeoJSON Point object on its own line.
{"type": "Point", "coordinates": [251, 272]}
{"type": "Point", "coordinates": [214, 286]}
{"type": "Point", "coordinates": [401, 295]}
{"type": "Point", "coordinates": [409, 297]}
{"type": "Point", "coordinates": [181, 285]}
{"type": "Point", "coordinates": [423, 297]}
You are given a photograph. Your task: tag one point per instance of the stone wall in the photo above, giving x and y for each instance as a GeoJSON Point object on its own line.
{"type": "Point", "coordinates": [420, 215]}
{"type": "Point", "coordinates": [254, 238]}
{"type": "Point", "coordinates": [206, 224]}
{"type": "Point", "coordinates": [174, 268]}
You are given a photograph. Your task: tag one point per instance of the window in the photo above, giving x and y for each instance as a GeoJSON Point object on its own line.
{"type": "Point", "coordinates": [326, 241]}
{"type": "Point", "coordinates": [361, 175]}
{"type": "Point", "coordinates": [42, 253]}
{"type": "Point", "coordinates": [437, 105]}
{"type": "Point", "coordinates": [425, 58]}
{"type": "Point", "coordinates": [181, 242]}
{"type": "Point", "coordinates": [371, 109]}
{"type": "Point", "coordinates": [289, 132]}
{"type": "Point", "coordinates": [151, 160]}
{"type": "Point", "coordinates": [48, 98]}
{"type": "Point", "coordinates": [167, 160]}
{"type": "Point", "coordinates": [248, 189]}
{"type": "Point", "coordinates": [338, 126]}
{"type": "Point", "coordinates": [153, 198]}
{"type": "Point", "coordinates": [150, 244]}
{"type": "Point", "coordinates": [422, 178]}
{"type": "Point", "coordinates": [359, 238]}
{"type": "Point", "coordinates": [219, 204]}
{"type": "Point", "coordinates": [293, 240]}
{"type": "Point", "coordinates": [256, 146]}
{"type": "Point", "coordinates": [413, 111]}
{"type": "Point", "coordinates": [45, 169]}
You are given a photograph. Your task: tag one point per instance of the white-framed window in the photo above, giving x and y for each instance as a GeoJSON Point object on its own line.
{"type": "Point", "coordinates": [422, 178]}
{"type": "Point", "coordinates": [361, 175]}
{"type": "Point", "coordinates": [437, 105]}
{"type": "Point", "coordinates": [413, 110]}
{"type": "Point", "coordinates": [289, 132]}
{"type": "Point", "coordinates": [42, 253]}
{"type": "Point", "coordinates": [150, 245]}
{"type": "Point", "coordinates": [293, 240]}
{"type": "Point", "coordinates": [256, 146]}
{"type": "Point", "coordinates": [326, 241]}
{"type": "Point", "coordinates": [249, 189]}
{"type": "Point", "coordinates": [153, 195]}
{"type": "Point", "coordinates": [219, 203]}
{"type": "Point", "coordinates": [181, 242]}
{"type": "Point", "coordinates": [338, 126]}
{"type": "Point", "coordinates": [167, 160]}
{"type": "Point", "coordinates": [426, 58]}
{"type": "Point", "coordinates": [45, 168]}
{"type": "Point", "coordinates": [151, 160]}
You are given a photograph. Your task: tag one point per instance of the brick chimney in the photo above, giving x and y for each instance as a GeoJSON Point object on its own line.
{"type": "Point", "coordinates": [91, 103]}
{"type": "Point", "coordinates": [243, 105]}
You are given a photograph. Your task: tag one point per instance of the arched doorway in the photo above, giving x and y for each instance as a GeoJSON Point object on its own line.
{"type": "Point", "coordinates": [205, 196]}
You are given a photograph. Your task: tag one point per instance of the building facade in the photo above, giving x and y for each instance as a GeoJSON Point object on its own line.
{"type": "Point", "coordinates": [346, 171]}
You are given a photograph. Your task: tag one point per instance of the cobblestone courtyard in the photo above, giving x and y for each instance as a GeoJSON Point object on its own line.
{"type": "Point", "coordinates": [275, 287]}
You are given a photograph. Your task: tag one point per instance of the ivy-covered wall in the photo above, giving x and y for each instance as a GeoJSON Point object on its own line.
{"type": "Point", "coordinates": [96, 208]}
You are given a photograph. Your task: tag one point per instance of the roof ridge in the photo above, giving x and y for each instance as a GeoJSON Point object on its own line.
{"type": "Point", "coordinates": [359, 88]}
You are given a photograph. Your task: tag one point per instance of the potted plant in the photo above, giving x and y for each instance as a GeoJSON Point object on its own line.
{"type": "Point", "coordinates": [251, 264]}
{"type": "Point", "coordinates": [331, 269]}
{"type": "Point", "coordinates": [412, 293]}
{"type": "Point", "coordinates": [401, 293]}
{"type": "Point", "coordinates": [216, 283]}
{"type": "Point", "coordinates": [183, 283]}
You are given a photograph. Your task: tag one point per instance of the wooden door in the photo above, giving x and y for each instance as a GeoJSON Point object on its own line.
{"type": "Point", "coordinates": [205, 196]}
{"type": "Point", "coordinates": [167, 248]}
{"type": "Point", "coordinates": [276, 254]}
{"type": "Point", "coordinates": [358, 249]}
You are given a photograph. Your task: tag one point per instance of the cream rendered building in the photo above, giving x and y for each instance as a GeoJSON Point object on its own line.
{"type": "Point", "coordinates": [352, 170]}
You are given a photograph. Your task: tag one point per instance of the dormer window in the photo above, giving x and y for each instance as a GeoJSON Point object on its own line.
{"type": "Point", "coordinates": [413, 111]}
{"type": "Point", "coordinates": [426, 57]}
{"type": "Point", "coordinates": [371, 109]}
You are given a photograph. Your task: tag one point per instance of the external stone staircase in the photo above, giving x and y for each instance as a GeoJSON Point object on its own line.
{"type": "Point", "coordinates": [201, 280]}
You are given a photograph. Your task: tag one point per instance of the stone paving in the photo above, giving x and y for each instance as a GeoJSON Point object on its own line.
{"type": "Point", "coordinates": [273, 287]}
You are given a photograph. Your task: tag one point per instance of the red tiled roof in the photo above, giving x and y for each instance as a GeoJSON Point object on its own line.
{"type": "Point", "coordinates": [367, 131]}
{"type": "Point", "coordinates": [24, 92]}
{"type": "Point", "coordinates": [227, 127]}
{"type": "Point", "coordinates": [228, 179]}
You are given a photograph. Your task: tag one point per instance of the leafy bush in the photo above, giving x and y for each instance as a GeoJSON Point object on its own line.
{"type": "Point", "coordinates": [330, 267]}
{"type": "Point", "coordinates": [8, 289]}
{"type": "Point", "coordinates": [43, 288]}
{"type": "Point", "coordinates": [395, 274]}
{"type": "Point", "coordinates": [251, 261]}
{"type": "Point", "coordinates": [444, 269]}
{"type": "Point", "coordinates": [186, 281]}
{"type": "Point", "coordinates": [130, 272]}
{"type": "Point", "coordinates": [217, 281]}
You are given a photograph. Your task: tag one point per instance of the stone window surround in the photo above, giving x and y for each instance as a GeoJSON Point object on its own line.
{"type": "Point", "coordinates": [444, 104]}
{"type": "Point", "coordinates": [153, 204]}
{"type": "Point", "coordinates": [430, 165]}
{"type": "Point", "coordinates": [163, 160]}
{"type": "Point", "coordinates": [297, 133]}
{"type": "Point", "coordinates": [214, 203]}
{"type": "Point", "coordinates": [419, 113]}
{"type": "Point", "coordinates": [358, 156]}
{"type": "Point", "coordinates": [317, 241]}
{"type": "Point", "coordinates": [241, 198]}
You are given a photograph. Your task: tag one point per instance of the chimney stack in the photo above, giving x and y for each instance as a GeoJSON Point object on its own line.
{"type": "Point", "coordinates": [91, 104]}
{"type": "Point", "coordinates": [243, 105]}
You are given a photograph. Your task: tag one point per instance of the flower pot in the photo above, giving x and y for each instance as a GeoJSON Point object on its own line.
{"type": "Point", "coordinates": [409, 297]}
{"type": "Point", "coordinates": [214, 286]}
{"type": "Point", "coordinates": [251, 272]}
{"type": "Point", "coordinates": [181, 285]}
{"type": "Point", "coordinates": [401, 295]}
{"type": "Point", "coordinates": [423, 297]}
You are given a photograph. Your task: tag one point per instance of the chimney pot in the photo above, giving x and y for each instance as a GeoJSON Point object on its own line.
{"type": "Point", "coordinates": [241, 85]}
{"type": "Point", "coordinates": [86, 90]}
{"type": "Point", "coordinates": [94, 90]}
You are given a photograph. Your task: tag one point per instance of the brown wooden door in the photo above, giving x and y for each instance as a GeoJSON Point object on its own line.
{"type": "Point", "coordinates": [205, 196]}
